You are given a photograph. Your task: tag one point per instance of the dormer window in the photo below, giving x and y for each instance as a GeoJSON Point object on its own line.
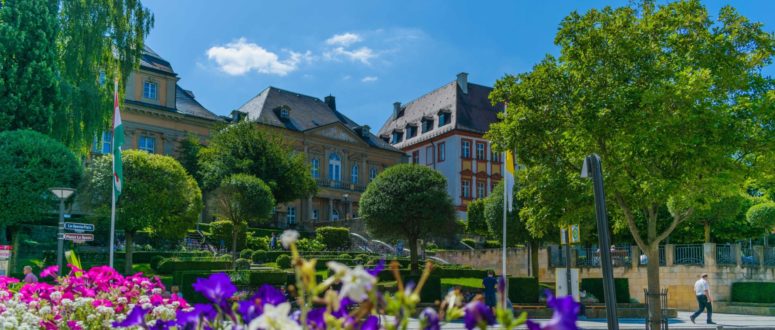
{"type": "Point", "coordinates": [149, 90]}
{"type": "Point", "coordinates": [445, 117]}
{"type": "Point", "coordinates": [427, 124]}
{"type": "Point", "coordinates": [385, 138]}
{"type": "Point", "coordinates": [397, 137]}
{"type": "Point", "coordinates": [284, 112]}
{"type": "Point", "coordinates": [411, 130]}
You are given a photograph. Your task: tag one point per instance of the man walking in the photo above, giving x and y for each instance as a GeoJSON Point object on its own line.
{"type": "Point", "coordinates": [704, 299]}
{"type": "Point", "coordinates": [29, 277]}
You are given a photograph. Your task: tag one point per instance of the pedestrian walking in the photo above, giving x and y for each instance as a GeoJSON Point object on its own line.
{"type": "Point", "coordinates": [29, 277]}
{"type": "Point", "coordinates": [273, 242]}
{"type": "Point", "coordinates": [704, 299]}
{"type": "Point", "coordinates": [489, 283]}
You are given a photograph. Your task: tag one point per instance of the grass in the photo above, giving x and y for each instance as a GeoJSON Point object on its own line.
{"type": "Point", "coordinates": [144, 268]}
{"type": "Point", "coordinates": [469, 282]}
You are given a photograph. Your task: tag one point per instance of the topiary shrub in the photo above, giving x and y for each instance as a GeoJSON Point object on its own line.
{"type": "Point", "coordinates": [753, 292]}
{"type": "Point", "coordinates": [221, 231]}
{"type": "Point", "coordinates": [155, 261]}
{"type": "Point", "coordinates": [246, 254]}
{"type": "Point", "coordinates": [469, 242]}
{"type": "Point", "coordinates": [309, 245]}
{"type": "Point", "coordinates": [344, 256]}
{"type": "Point", "coordinates": [334, 238]}
{"type": "Point", "coordinates": [492, 244]}
{"type": "Point", "coordinates": [257, 242]}
{"type": "Point", "coordinates": [283, 261]}
{"type": "Point", "coordinates": [523, 290]}
{"type": "Point", "coordinates": [595, 287]}
{"type": "Point", "coordinates": [242, 264]}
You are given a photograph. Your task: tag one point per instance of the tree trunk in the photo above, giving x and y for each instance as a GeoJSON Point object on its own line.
{"type": "Point", "coordinates": [652, 275]}
{"type": "Point", "coordinates": [129, 246]}
{"type": "Point", "coordinates": [413, 256]}
{"type": "Point", "coordinates": [3, 233]}
{"type": "Point", "coordinates": [534, 246]}
{"type": "Point", "coordinates": [707, 231]}
{"type": "Point", "coordinates": [233, 244]}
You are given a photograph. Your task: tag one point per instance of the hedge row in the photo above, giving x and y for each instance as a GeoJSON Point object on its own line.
{"type": "Point", "coordinates": [523, 290]}
{"type": "Point", "coordinates": [449, 272]}
{"type": "Point", "coordinates": [260, 257]}
{"type": "Point", "coordinates": [144, 257]}
{"type": "Point", "coordinates": [753, 292]}
{"type": "Point", "coordinates": [170, 266]}
{"type": "Point", "coordinates": [595, 287]}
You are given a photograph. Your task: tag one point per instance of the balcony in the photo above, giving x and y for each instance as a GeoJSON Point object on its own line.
{"type": "Point", "coordinates": [339, 185]}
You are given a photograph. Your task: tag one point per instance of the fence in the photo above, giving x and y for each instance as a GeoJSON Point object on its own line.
{"type": "Point", "coordinates": [769, 256]}
{"type": "Point", "coordinates": [689, 254]}
{"type": "Point", "coordinates": [556, 256]}
{"type": "Point", "coordinates": [750, 258]}
{"type": "Point", "coordinates": [725, 255]}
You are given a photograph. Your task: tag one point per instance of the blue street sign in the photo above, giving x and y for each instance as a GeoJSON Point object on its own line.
{"type": "Point", "coordinates": [79, 226]}
{"type": "Point", "coordinates": [67, 216]}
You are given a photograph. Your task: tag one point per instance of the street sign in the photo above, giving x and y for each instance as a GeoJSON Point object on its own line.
{"type": "Point", "coordinates": [79, 237]}
{"type": "Point", "coordinates": [575, 234]}
{"type": "Point", "coordinates": [79, 226]}
{"type": "Point", "coordinates": [66, 216]}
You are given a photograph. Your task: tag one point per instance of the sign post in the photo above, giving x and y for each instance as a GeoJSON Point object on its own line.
{"type": "Point", "coordinates": [79, 227]}
{"type": "Point", "coordinates": [76, 237]}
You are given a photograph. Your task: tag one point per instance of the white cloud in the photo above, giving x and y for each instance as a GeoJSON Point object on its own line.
{"type": "Point", "coordinates": [363, 54]}
{"type": "Point", "coordinates": [368, 79]}
{"type": "Point", "coordinates": [344, 39]}
{"type": "Point", "coordinates": [239, 57]}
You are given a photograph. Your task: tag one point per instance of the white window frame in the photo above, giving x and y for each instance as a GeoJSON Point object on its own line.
{"type": "Point", "coordinates": [481, 189]}
{"type": "Point", "coordinates": [480, 151]}
{"type": "Point", "coordinates": [315, 167]}
{"type": "Point", "coordinates": [107, 143]}
{"type": "Point", "coordinates": [150, 90]}
{"type": "Point", "coordinates": [442, 154]}
{"type": "Point", "coordinates": [466, 188]}
{"type": "Point", "coordinates": [334, 167]}
{"type": "Point", "coordinates": [372, 173]}
{"type": "Point", "coordinates": [142, 144]}
{"type": "Point", "coordinates": [315, 214]}
{"type": "Point", "coordinates": [465, 149]}
{"type": "Point", "coordinates": [290, 216]}
{"type": "Point", "coordinates": [354, 174]}
{"type": "Point", "coordinates": [429, 155]}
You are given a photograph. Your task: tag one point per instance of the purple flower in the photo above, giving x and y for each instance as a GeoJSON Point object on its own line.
{"type": "Point", "coordinates": [377, 268]}
{"type": "Point", "coordinates": [217, 288]}
{"type": "Point", "coordinates": [135, 318]}
{"type": "Point", "coordinates": [566, 311]}
{"type": "Point", "coordinates": [478, 314]}
{"type": "Point", "coordinates": [193, 317]}
{"type": "Point", "coordinates": [163, 325]}
{"type": "Point", "coordinates": [254, 307]}
{"type": "Point", "coordinates": [371, 323]}
{"type": "Point", "coordinates": [316, 319]}
{"type": "Point", "coordinates": [429, 320]}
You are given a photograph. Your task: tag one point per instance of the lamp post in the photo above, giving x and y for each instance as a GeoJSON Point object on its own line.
{"type": "Point", "coordinates": [62, 194]}
{"type": "Point", "coordinates": [346, 206]}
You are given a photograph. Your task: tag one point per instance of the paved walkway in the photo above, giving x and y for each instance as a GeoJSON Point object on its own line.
{"type": "Point", "coordinates": [724, 321]}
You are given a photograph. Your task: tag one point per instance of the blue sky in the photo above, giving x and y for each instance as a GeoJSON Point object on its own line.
{"type": "Point", "coordinates": [368, 54]}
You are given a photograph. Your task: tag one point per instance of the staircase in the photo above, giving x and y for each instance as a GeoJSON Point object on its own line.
{"type": "Point", "coordinates": [197, 241]}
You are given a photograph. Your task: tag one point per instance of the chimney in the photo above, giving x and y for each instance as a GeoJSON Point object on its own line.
{"type": "Point", "coordinates": [462, 81]}
{"type": "Point", "coordinates": [396, 109]}
{"type": "Point", "coordinates": [331, 102]}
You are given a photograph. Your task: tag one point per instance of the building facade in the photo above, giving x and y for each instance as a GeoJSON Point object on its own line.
{"type": "Point", "coordinates": [343, 155]}
{"type": "Point", "coordinates": [157, 113]}
{"type": "Point", "coordinates": [444, 129]}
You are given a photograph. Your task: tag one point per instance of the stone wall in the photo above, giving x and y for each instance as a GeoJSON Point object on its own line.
{"type": "Point", "coordinates": [678, 279]}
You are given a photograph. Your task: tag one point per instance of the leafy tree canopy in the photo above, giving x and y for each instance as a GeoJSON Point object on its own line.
{"type": "Point", "coordinates": [243, 148]}
{"type": "Point", "coordinates": [30, 163]}
{"type": "Point", "coordinates": [241, 198]}
{"type": "Point", "coordinates": [762, 215]}
{"type": "Point", "coordinates": [493, 215]}
{"type": "Point", "coordinates": [408, 201]}
{"type": "Point", "coordinates": [475, 223]}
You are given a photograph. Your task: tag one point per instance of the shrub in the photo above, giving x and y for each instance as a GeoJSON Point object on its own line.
{"type": "Point", "coordinates": [257, 243]}
{"type": "Point", "coordinates": [221, 231]}
{"type": "Point", "coordinates": [344, 256]}
{"type": "Point", "coordinates": [469, 242]}
{"type": "Point", "coordinates": [523, 290]}
{"type": "Point", "coordinates": [257, 278]}
{"type": "Point", "coordinates": [283, 261]}
{"type": "Point", "coordinates": [595, 287]}
{"type": "Point", "coordinates": [246, 254]}
{"type": "Point", "coordinates": [753, 292]}
{"type": "Point", "coordinates": [313, 245]}
{"type": "Point", "coordinates": [492, 244]}
{"type": "Point", "coordinates": [458, 271]}
{"type": "Point", "coordinates": [266, 256]}
{"type": "Point", "coordinates": [334, 238]}
{"type": "Point", "coordinates": [155, 261]}
{"type": "Point", "coordinates": [170, 266]}
{"type": "Point", "coordinates": [242, 264]}
{"type": "Point", "coordinates": [142, 257]}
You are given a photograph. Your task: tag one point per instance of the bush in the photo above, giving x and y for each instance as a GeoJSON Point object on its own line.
{"type": "Point", "coordinates": [457, 271]}
{"type": "Point", "coordinates": [246, 254]}
{"type": "Point", "coordinates": [267, 256]}
{"type": "Point", "coordinates": [344, 256]}
{"type": "Point", "coordinates": [283, 261]}
{"type": "Point", "coordinates": [523, 290]}
{"type": "Point", "coordinates": [221, 231]}
{"type": "Point", "coordinates": [334, 238]}
{"type": "Point", "coordinates": [431, 291]}
{"type": "Point", "coordinates": [469, 242]}
{"type": "Point", "coordinates": [257, 278]}
{"type": "Point", "coordinates": [170, 266]}
{"type": "Point", "coordinates": [257, 243]}
{"type": "Point", "coordinates": [595, 287]}
{"type": "Point", "coordinates": [142, 257]}
{"type": "Point", "coordinates": [313, 245]}
{"type": "Point", "coordinates": [492, 244]}
{"type": "Point", "coordinates": [753, 292]}
{"type": "Point", "coordinates": [242, 264]}
{"type": "Point", "coordinates": [155, 261]}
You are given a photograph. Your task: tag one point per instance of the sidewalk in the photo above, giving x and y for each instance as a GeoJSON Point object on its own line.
{"type": "Point", "coordinates": [724, 321]}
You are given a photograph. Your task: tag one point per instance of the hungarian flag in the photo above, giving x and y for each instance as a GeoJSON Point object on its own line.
{"type": "Point", "coordinates": [510, 180]}
{"type": "Point", "coordinates": [118, 141]}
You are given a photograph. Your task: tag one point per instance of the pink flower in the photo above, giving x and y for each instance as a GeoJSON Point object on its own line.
{"type": "Point", "coordinates": [50, 271]}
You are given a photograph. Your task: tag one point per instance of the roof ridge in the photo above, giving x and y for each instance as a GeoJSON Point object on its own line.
{"type": "Point", "coordinates": [294, 93]}
{"type": "Point", "coordinates": [429, 93]}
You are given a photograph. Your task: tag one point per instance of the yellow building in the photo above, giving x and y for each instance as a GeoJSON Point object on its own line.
{"type": "Point", "coordinates": [343, 156]}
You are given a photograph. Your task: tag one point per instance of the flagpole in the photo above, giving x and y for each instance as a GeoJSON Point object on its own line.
{"type": "Point", "coordinates": [113, 178]}
{"type": "Point", "coordinates": [505, 206]}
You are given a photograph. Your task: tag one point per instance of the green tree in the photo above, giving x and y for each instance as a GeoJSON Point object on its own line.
{"type": "Point", "coordinates": [409, 202]}
{"type": "Point", "coordinates": [670, 98]}
{"type": "Point", "coordinates": [29, 88]}
{"type": "Point", "coordinates": [243, 148]}
{"type": "Point", "coordinates": [475, 222]}
{"type": "Point", "coordinates": [762, 216]}
{"type": "Point", "coordinates": [30, 163]}
{"type": "Point", "coordinates": [188, 155]}
{"type": "Point", "coordinates": [241, 198]}
{"type": "Point", "coordinates": [157, 194]}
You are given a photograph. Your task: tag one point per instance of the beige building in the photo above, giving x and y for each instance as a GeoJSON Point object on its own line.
{"type": "Point", "coordinates": [343, 155]}
{"type": "Point", "coordinates": [157, 113]}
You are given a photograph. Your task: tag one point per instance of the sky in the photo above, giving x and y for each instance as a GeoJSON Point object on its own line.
{"type": "Point", "coordinates": [368, 54]}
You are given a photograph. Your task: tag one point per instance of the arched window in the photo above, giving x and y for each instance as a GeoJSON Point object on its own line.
{"type": "Point", "coordinates": [334, 167]}
{"type": "Point", "coordinates": [354, 174]}
{"type": "Point", "coordinates": [315, 168]}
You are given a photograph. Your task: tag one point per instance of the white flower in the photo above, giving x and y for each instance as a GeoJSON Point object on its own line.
{"type": "Point", "coordinates": [156, 290]}
{"type": "Point", "coordinates": [122, 300]}
{"type": "Point", "coordinates": [356, 283]}
{"type": "Point", "coordinates": [275, 317]}
{"type": "Point", "coordinates": [56, 295]}
{"type": "Point", "coordinates": [289, 237]}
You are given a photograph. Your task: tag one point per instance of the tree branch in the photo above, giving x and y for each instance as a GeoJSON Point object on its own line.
{"type": "Point", "coordinates": [677, 219]}
{"type": "Point", "coordinates": [630, 221]}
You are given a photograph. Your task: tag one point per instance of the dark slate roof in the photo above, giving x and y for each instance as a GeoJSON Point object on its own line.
{"type": "Point", "coordinates": [472, 112]}
{"type": "Point", "coordinates": [306, 113]}
{"type": "Point", "coordinates": [186, 104]}
{"type": "Point", "coordinates": [150, 60]}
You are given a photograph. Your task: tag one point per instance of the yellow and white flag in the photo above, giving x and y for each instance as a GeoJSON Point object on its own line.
{"type": "Point", "coordinates": [510, 180]}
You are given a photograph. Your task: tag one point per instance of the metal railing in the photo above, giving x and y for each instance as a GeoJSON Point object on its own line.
{"type": "Point", "coordinates": [337, 184]}
{"type": "Point", "coordinates": [589, 256]}
{"type": "Point", "coordinates": [556, 256]}
{"type": "Point", "coordinates": [769, 256]}
{"type": "Point", "coordinates": [689, 254]}
{"type": "Point", "coordinates": [725, 255]}
{"type": "Point", "coordinates": [749, 257]}
{"type": "Point", "coordinates": [662, 258]}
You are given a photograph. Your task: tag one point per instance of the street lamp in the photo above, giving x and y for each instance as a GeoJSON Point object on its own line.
{"type": "Point", "coordinates": [62, 194]}
{"type": "Point", "coordinates": [346, 206]}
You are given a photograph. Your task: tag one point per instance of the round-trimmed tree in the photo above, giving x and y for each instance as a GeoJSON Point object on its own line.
{"type": "Point", "coordinates": [762, 216]}
{"type": "Point", "coordinates": [243, 197]}
{"type": "Point", "coordinates": [409, 202]}
{"type": "Point", "coordinates": [158, 194]}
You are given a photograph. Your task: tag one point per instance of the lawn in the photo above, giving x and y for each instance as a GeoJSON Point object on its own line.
{"type": "Point", "coordinates": [469, 282]}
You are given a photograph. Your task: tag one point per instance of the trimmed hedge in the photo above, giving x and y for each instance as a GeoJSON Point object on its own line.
{"type": "Point", "coordinates": [452, 272]}
{"type": "Point", "coordinates": [595, 287]}
{"type": "Point", "coordinates": [283, 261]}
{"type": "Point", "coordinates": [753, 292]}
{"type": "Point", "coordinates": [242, 264]}
{"type": "Point", "coordinates": [144, 257]}
{"type": "Point", "coordinates": [155, 261]}
{"type": "Point", "coordinates": [334, 238]}
{"type": "Point", "coordinates": [431, 291]}
{"type": "Point", "coordinates": [246, 254]}
{"type": "Point", "coordinates": [523, 290]}
{"type": "Point", "coordinates": [170, 266]}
